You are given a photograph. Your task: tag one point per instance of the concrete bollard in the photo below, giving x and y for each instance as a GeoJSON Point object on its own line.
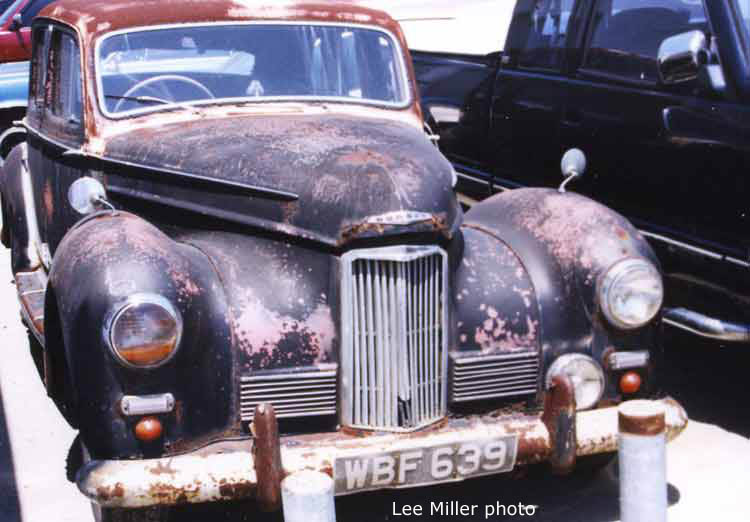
{"type": "Point", "coordinates": [642, 461]}
{"type": "Point", "coordinates": [307, 496]}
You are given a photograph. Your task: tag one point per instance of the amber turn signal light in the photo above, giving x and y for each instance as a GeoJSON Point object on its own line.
{"type": "Point", "coordinates": [630, 382]}
{"type": "Point", "coordinates": [148, 429]}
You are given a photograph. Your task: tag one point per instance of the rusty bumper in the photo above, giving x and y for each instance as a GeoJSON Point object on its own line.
{"type": "Point", "coordinates": [227, 472]}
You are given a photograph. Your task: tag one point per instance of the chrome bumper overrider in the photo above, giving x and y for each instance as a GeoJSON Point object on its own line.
{"type": "Point", "coordinates": [227, 471]}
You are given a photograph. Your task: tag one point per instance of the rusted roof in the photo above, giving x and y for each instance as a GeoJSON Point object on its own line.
{"type": "Point", "coordinates": [95, 18]}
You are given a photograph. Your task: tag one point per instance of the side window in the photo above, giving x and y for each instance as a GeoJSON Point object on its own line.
{"type": "Point", "coordinates": [38, 74]}
{"type": "Point", "coordinates": [545, 29]}
{"type": "Point", "coordinates": [66, 99]}
{"type": "Point", "coordinates": [627, 34]}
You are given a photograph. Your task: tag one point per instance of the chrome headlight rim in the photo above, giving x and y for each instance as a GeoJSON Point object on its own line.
{"type": "Point", "coordinates": [132, 301]}
{"type": "Point", "coordinates": [612, 276]}
{"type": "Point", "coordinates": [559, 364]}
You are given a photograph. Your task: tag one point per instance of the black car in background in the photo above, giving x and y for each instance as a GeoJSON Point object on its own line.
{"type": "Point", "coordinates": [655, 93]}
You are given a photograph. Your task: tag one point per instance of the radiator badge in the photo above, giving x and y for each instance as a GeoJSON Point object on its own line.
{"type": "Point", "coordinates": [399, 217]}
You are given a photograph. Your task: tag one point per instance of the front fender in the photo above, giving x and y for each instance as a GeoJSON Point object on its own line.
{"type": "Point", "coordinates": [565, 242]}
{"type": "Point", "coordinates": [98, 264]}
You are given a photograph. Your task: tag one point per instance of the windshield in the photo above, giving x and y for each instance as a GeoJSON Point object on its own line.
{"type": "Point", "coordinates": [147, 70]}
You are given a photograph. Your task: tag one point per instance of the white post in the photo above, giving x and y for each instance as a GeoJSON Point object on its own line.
{"type": "Point", "coordinates": [307, 496]}
{"type": "Point", "coordinates": [642, 461]}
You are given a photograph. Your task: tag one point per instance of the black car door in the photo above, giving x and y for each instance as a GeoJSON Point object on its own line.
{"type": "Point", "coordinates": [673, 158]}
{"type": "Point", "coordinates": [528, 96]}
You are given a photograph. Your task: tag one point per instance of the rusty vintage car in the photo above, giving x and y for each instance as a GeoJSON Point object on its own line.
{"type": "Point", "coordinates": [241, 256]}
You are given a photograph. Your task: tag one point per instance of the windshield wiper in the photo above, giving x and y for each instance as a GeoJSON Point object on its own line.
{"type": "Point", "coordinates": [154, 99]}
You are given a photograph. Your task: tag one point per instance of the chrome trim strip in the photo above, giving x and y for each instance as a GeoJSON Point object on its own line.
{"type": "Point", "coordinates": [626, 360]}
{"type": "Point", "coordinates": [685, 246]}
{"type": "Point", "coordinates": [146, 404]}
{"type": "Point", "coordinates": [407, 85]}
{"type": "Point", "coordinates": [705, 326]}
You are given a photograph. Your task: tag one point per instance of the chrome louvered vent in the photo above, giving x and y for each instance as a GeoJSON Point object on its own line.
{"type": "Point", "coordinates": [394, 343]}
{"type": "Point", "coordinates": [303, 394]}
{"type": "Point", "coordinates": [494, 376]}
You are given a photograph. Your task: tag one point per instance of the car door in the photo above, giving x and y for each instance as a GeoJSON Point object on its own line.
{"type": "Point", "coordinates": [672, 158]}
{"type": "Point", "coordinates": [529, 96]}
{"type": "Point", "coordinates": [55, 122]}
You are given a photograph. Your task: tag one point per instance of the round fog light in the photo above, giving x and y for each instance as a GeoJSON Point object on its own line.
{"type": "Point", "coordinates": [585, 374]}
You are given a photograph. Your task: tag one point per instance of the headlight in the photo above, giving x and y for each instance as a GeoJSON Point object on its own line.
{"type": "Point", "coordinates": [585, 374]}
{"type": "Point", "coordinates": [144, 332]}
{"type": "Point", "coordinates": [631, 293]}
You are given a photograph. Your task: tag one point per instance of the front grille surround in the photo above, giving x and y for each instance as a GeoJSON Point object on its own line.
{"type": "Point", "coordinates": [402, 291]}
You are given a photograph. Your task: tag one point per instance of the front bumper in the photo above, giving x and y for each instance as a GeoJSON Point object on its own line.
{"type": "Point", "coordinates": [227, 471]}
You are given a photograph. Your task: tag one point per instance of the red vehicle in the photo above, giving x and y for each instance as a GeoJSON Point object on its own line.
{"type": "Point", "coordinates": [15, 28]}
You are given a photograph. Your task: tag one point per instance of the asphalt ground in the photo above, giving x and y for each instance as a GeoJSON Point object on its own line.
{"type": "Point", "coordinates": [708, 466]}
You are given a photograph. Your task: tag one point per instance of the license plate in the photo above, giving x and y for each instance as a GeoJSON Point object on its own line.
{"type": "Point", "coordinates": [425, 465]}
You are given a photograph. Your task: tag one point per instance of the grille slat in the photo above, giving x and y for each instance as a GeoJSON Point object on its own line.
{"type": "Point", "coordinates": [401, 292]}
{"type": "Point", "coordinates": [305, 394]}
{"type": "Point", "coordinates": [495, 376]}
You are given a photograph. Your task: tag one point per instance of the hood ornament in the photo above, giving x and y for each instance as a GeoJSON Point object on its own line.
{"type": "Point", "coordinates": [399, 217]}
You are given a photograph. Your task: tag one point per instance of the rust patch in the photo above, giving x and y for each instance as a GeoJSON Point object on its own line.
{"type": "Point", "coordinates": [560, 418]}
{"type": "Point", "coordinates": [267, 453]}
{"type": "Point", "coordinates": [108, 493]}
{"type": "Point", "coordinates": [49, 200]}
{"type": "Point", "coordinates": [641, 425]}
{"type": "Point", "coordinates": [162, 469]}
{"type": "Point", "coordinates": [236, 490]}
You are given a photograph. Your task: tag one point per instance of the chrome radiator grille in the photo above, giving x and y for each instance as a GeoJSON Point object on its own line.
{"type": "Point", "coordinates": [494, 376]}
{"type": "Point", "coordinates": [303, 394]}
{"type": "Point", "coordinates": [394, 346]}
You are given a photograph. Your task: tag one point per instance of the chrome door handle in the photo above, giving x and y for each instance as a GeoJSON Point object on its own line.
{"type": "Point", "coordinates": [706, 326]}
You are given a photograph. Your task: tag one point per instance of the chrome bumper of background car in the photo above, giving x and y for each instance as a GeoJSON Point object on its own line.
{"type": "Point", "coordinates": [226, 473]}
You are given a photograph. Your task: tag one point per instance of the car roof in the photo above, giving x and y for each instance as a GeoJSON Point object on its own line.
{"type": "Point", "coordinates": [92, 19]}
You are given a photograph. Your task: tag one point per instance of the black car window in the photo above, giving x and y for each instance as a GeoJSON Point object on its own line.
{"type": "Point", "coordinates": [627, 34]}
{"type": "Point", "coordinates": [30, 11]}
{"type": "Point", "coordinates": [66, 92]}
{"type": "Point", "coordinates": [545, 29]}
{"type": "Point", "coordinates": [39, 55]}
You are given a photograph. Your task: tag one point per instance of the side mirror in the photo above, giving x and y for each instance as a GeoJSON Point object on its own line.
{"type": "Point", "coordinates": [682, 56]}
{"type": "Point", "coordinates": [573, 165]}
{"type": "Point", "coordinates": [86, 194]}
{"type": "Point", "coordinates": [16, 23]}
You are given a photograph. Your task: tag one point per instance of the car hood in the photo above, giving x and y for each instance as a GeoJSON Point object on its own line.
{"type": "Point", "coordinates": [329, 178]}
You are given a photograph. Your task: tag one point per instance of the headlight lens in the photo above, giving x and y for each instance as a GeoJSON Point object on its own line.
{"type": "Point", "coordinates": [631, 293]}
{"type": "Point", "coordinates": [144, 332]}
{"type": "Point", "coordinates": [586, 375]}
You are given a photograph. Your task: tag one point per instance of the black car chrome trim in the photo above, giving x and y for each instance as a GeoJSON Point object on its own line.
{"type": "Point", "coordinates": [706, 326]}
